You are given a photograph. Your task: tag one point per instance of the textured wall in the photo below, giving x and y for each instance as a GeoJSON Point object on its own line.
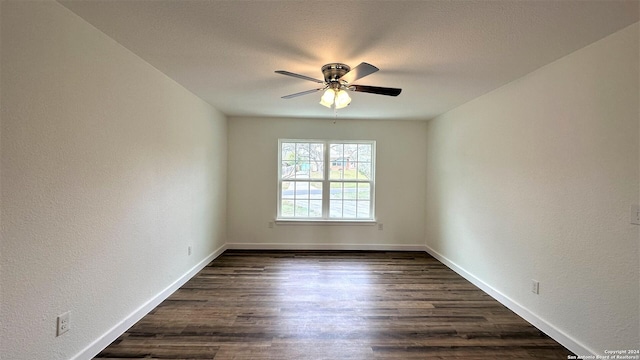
{"type": "Point", "coordinates": [110, 170]}
{"type": "Point", "coordinates": [253, 172]}
{"type": "Point", "coordinates": [535, 181]}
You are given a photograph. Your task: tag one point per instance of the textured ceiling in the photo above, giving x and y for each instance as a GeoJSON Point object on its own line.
{"type": "Point", "coordinates": [441, 53]}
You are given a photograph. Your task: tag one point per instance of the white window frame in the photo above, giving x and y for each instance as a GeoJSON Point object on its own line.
{"type": "Point", "coordinates": [326, 184]}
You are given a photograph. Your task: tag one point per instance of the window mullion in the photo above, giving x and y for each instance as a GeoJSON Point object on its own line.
{"type": "Point", "coordinates": [325, 182]}
{"type": "Point", "coordinates": [279, 204]}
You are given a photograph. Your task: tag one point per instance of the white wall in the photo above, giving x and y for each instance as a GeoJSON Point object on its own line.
{"type": "Point", "coordinates": [110, 170]}
{"type": "Point", "coordinates": [535, 181]}
{"type": "Point", "coordinates": [400, 176]}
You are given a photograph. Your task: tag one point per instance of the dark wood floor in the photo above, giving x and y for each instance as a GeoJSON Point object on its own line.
{"type": "Point", "coordinates": [331, 305]}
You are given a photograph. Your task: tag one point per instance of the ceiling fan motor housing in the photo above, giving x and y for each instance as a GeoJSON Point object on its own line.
{"type": "Point", "coordinates": [333, 72]}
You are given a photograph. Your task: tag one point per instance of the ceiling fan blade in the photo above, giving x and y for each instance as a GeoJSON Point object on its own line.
{"type": "Point", "coordinates": [376, 90]}
{"type": "Point", "coordinates": [302, 93]}
{"type": "Point", "coordinates": [288, 73]}
{"type": "Point", "coordinates": [359, 72]}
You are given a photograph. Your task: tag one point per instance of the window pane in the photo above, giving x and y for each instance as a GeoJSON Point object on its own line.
{"type": "Point", "coordinates": [363, 209]}
{"type": "Point", "coordinates": [336, 151]}
{"type": "Point", "coordinates": [317, 169]}
{"type": "Point", "coordinates": [350, 190]}
{"type": "Point", "coordinates": [349, 161]}
{"type": "Point", "coordinates": [315, 208]}
{"type": "Point", "coordinates": [317, 151]}
{"type": "Point", "coordinates": [350, 169]}
{"type": "Point", "coordinates": [364, 152]}
{"type": "Point", "coordinates": [316, 160]}
{"type": "Point", "coordinates": [335, 208]}
{"type": "Point", "coordinates": [302, 151]}
{"type": "Point", "coordinates": [288, 156]}
{"type": "Point", "coordinates": [335, 191]}
{"type": "Point", "coordinates": [286, 208]}
{"type": "Point", "coordinates": [337, 169]}
{"type": "Point", "coordinates": [349, 209]}
{"type": "Point", "coordinates": [337, 161]}
{"type": "Point", "coordinates": [301, 208]}
{"type": "Point", "coordinates": [364, 191]}
{"type": "Point", "coordinates": [288, 190]}
{"type": "Point", "coordinates": [351, 151]}
{"type": "Point", "coordinates": [303, 169]}
{"type": "Point", "coordinates": [302, 189]}
{"type": "Point", "coordinates": [288, 152]}
{"type": "Point", "coordinates": [302, 160]}
{"type": "Point", "coordinates": [364, 170]}
{"type": "Point", "coordinates": [315, 191]}
{"type": "Point", "coordinates": [288, 170]}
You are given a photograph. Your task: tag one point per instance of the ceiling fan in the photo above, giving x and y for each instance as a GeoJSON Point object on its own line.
{"type": "Point", "coordinates": [338, 80]}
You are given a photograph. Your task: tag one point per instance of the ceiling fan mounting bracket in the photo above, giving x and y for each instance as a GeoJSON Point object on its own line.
{"type": "Point", "coordinates": [333, 72]}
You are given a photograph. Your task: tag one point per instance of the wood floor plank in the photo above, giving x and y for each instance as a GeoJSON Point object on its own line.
{"type": "Point", "coordinates": [283, 305]}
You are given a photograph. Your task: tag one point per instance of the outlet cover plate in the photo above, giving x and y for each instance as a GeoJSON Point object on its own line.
{"type": "Point", "coordinates": [63, 323]}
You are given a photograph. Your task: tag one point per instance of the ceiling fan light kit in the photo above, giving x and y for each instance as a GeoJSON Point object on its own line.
{"type": "Point", "coordinates": [339, 98]}
{"type": "Point", "coordinates": [328, 98]}
{"type": "Point", "coordinates": [342, 99]}
{"type": "Point", "coordinates": [337, 81]}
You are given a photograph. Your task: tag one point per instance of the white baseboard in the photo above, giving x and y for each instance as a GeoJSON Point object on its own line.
{"type": "Point", "coordinates": [315, 246]}
{"type": "Point", "coordinates": [548, 328]}
{"type": "Point", "coordinates": [103, 341]}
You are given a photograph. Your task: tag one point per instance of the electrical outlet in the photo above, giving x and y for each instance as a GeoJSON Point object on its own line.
{"type": "Point", "coordinates": [535, 286]}
{"type": "Point", "coordinates": [189, 250]}
{"type": "Point", "coordinates": [63, 323]}
{"type": "Point", "coordinates": [380, 226]}
{"type": "Point", "coordinates": [634, 214]}
{"type": "Point", "coordinates": [270, 225]}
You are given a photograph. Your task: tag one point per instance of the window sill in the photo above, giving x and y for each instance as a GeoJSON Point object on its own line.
{"type": "Point", "coordinates": [325, 222]}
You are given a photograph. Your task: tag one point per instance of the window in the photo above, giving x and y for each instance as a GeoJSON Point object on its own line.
{"type": "Point", "coordinates": [326, 180]}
